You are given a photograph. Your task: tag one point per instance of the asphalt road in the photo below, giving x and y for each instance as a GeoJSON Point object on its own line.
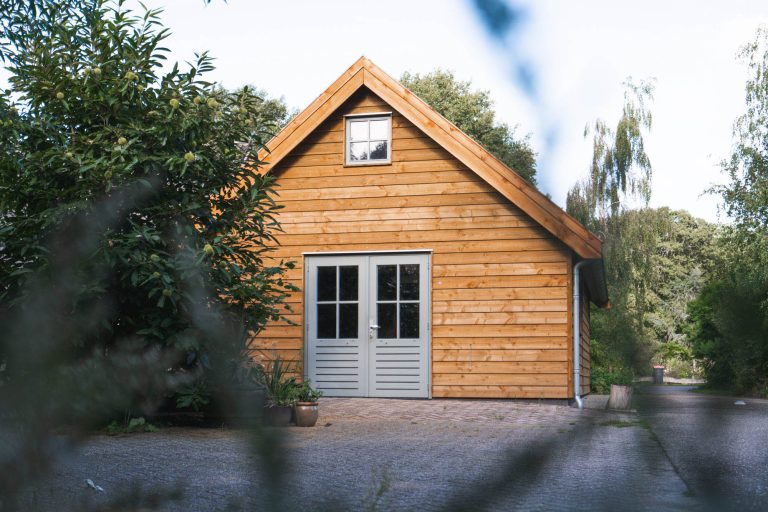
{"type": "Point", "coordinates": [718, 448]}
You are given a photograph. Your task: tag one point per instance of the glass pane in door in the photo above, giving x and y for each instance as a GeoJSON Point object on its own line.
{"type": "Point", "coordinates": [326, 321]}
{"type": "Point", "coordinates": [409, 320]}
{"type": "Point", "coordinates": [409, 282]}
{"type": "Point", "coordinates": [387, 318]}
{"type": "Point", "coordinates": [348, 283]}
{"type": "Point", "coordinates": [386, 279]}
{"type": "Point", "coordinates": [348, 321]}
{"type": "Point", "coordinates": [326, 283]}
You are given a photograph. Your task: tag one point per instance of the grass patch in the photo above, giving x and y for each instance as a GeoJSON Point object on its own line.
{"type": "Point", "coordinates": [624, 423]}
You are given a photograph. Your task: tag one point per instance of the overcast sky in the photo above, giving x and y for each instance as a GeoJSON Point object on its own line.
{"type": "Point", "coordinates": [579, 53]}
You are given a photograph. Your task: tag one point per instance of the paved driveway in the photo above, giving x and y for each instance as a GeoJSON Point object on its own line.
{"type": "Point", "coordinates": [370, 454]}
{"type": "Point", "coordinates": [719, 448]}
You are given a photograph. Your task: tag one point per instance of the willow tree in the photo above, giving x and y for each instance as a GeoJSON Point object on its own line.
{"type": "Point", "coordinates": [620, 175]}
{"type": "Point", "coordinates": [620, 170]}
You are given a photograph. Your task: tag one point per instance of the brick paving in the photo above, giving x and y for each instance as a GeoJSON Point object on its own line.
{"type": "Point", "coordinates": [456, 410]}
{"type": "Point", "coordinates": [424, 455]}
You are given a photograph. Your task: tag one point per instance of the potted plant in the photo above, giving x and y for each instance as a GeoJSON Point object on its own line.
{"type": "Point", "coordinates": [280, 392]}
{"type": "Point", "coordinates": [306, 406]}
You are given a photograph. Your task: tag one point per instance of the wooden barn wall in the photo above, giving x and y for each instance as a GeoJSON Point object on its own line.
{"type": "Point", "coordinates": [585, 342]}
{"type": "Point", "coordinates": [499, 281]}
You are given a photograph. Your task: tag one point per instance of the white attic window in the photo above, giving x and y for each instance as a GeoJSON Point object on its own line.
{"type": "Point", "coordinates": [368, 139]}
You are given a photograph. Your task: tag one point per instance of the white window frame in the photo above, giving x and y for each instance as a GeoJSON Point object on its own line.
{"type": "Point", "coordinates": [348, 141]}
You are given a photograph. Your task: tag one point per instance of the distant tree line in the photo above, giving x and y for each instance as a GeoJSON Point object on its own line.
{"type": "Point", "coordinates": [728, 320]}
{"type": "Point", "coordinates": [472, 112]}
{"type": "Point", "coordinates": [687, 294]}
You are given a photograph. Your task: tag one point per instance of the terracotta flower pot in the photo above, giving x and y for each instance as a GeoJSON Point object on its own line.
{"type": "Point", "coordinates": [306, 414]}
{"type": "Point", "coordinates": [278, 416]}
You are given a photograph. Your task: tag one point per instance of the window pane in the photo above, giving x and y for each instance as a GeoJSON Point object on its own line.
{"type": "Point", "coordinates": [409, 282]}
{"type": "Point", "coordinates": [358, 130]}
{"type": "Point", "coordinates": [348, 321]}
{"type": "Point", "coordinates": [380, 129]}
{"type": "Point", "coordinates": [326, 283]}
{"type": "Point", "coordinates": [358, 151]}
{"type": "Point", "coordinates": [348, 283]}
{"type": "Point", "coordinates": [387, 282]}
{"type": "Point", "coordinates": [379, 150]}
{"type": "Point", "coordinates": [326, 321]}
{"type": "Point", "coordinates": [409, 320]}
{"type": "Point", "coordinates": [387, 320]}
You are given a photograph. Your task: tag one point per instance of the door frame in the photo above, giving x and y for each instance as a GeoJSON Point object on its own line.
{"type": "Point", "coordinates": [395, 252]}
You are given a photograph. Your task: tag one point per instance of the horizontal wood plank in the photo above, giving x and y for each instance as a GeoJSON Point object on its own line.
{"type": "Point", "coordinates": [509, 379]}
{"type": "Point", "coordinates": [505, 367]}
{"type": "Point", "coordinates": [559, 292]}
{"type": "Point", "coordinates": [486, 319]}
{"type": "Point", "coordinates": [413, 225]}
{"type": "Point", "coordinates": [466, 391]}
{"type": "Point", "coordinates": [500, 343]}
{"type": "Point", "coordinates": [391, 201]}
{"type": "Point", "coordinates": [494, 331]}
{"type": "Point", "coordinates": [477, 212]}
{"type": "Point", "coordinates": [500, 269]}
{"type": "Point", "coordinates": [476, 355]}
{"type": "Point", "coordinates": [376, 191]}
{"type": "Point", "coordinates": [498, 306]}
{"type": "Point", "coordinates": [372, 180]}
{"type": "Point", "coordinates": [412, 236]}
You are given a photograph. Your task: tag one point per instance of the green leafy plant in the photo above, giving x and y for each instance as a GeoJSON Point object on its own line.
{"type": "Point", "coordinates": [304, 392]}
{"type": "Point", "coordinates": [279, 386]}
{"type": "Point", "coordinates": [194, 396]}
{"type": "Point", "coordinates": [152, 171]}
{"type": "Point", "coordinates": [602, 378]}
{"type": "Point", "coordinates": [132, 425]}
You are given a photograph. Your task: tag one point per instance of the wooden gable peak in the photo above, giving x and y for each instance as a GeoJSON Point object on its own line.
{"type": "Point", "coordinates": [507, 182]}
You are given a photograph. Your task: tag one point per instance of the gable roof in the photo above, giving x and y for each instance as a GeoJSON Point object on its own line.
{"type": "Point", "coordinates": [508, 183]}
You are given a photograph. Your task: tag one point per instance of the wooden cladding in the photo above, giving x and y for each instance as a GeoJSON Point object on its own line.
{"type": "Point", "coordinates": [584, 333]}
{"type": "Point", "coordinates": [499, 281]}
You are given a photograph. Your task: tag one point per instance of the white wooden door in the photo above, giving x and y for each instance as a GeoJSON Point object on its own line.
{"type": "Point", "coordinates": [336, 324]}
{"type": "Point", "coordinates": [367, 324]}
{"type": "Point", "coordinates": [399, 329]}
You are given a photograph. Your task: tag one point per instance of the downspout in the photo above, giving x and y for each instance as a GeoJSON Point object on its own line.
{"type": "Point", "coordinates": [577, 333]}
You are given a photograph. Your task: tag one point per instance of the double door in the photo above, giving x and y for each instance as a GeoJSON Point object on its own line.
{"type": "Point", "coordinates": [367, 324]}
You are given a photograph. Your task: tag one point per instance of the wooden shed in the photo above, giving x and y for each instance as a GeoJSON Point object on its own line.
{"type": "Point", "coordinates": [427, 267]}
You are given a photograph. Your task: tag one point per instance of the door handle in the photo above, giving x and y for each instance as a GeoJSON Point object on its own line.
{"type": "Point", "coordinates": [371, 333]}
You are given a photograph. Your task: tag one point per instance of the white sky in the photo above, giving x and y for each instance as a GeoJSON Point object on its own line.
{"type": "Point", "coordinates": [580, 52]}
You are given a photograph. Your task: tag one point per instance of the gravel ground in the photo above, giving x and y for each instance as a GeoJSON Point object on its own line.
{"type": "Point", "coordinates": [420, 455]}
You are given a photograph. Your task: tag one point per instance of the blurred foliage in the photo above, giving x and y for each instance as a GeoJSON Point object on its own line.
{"type": "Point", "coordinates": [607, 369]}
{"type": "Point", "coordinates": [133, 231]}
{"type": "Point", "coordinates": [473, 113]}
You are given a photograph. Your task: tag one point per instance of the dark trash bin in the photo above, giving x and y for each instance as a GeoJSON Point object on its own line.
{"type": "Point", "coordinates": [658, 374]}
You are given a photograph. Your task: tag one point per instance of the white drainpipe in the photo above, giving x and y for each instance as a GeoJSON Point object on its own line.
{"type": "Point", "coordinates": [577, 333]}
